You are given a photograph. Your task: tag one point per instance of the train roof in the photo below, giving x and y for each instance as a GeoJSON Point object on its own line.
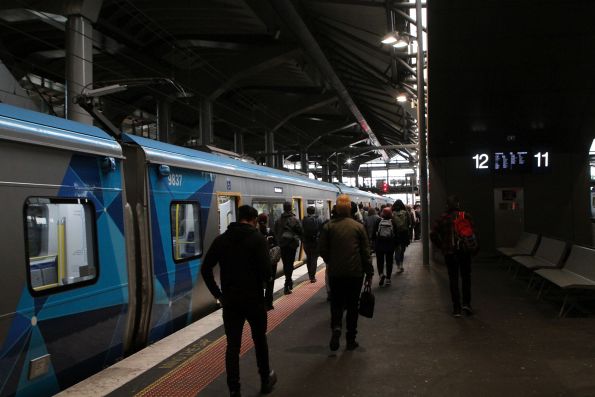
{"type": "Point", "coordinates": [22, 125]}
{"type": "Point", "coordinates": [178, 156]}
{"type": "Point", "coordinates": [357, 193]}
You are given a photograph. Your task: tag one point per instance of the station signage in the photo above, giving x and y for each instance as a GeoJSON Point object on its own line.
{"type": "Point", "coordinates": [512, 161]}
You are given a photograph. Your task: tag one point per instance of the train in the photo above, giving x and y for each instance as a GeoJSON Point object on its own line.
{"type": "Point", "coordinates": [102, 240]}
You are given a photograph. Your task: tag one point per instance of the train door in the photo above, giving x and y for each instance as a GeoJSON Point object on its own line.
{"type": "Point", "coordinates": [227, 208]}
{"type": "Point", "coordinates": [298, 210]}
{"type": "Point", "coordinates": [508, 215]}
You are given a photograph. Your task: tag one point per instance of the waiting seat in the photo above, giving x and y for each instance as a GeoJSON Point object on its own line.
{"type": "Point", "coordinates": [548, 255]}
{"type": "Point", "coordinates": [526, 245]}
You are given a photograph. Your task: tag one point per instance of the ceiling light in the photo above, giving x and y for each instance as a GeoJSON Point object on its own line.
{"type": "Point", "coordinates": [390, 38]}
{"type": "Point", "coordinates": [402, 41]}
{"type": "Point", "coordinates": [401, 96]}
{"type": "Point", "coordinates": [349, 161]}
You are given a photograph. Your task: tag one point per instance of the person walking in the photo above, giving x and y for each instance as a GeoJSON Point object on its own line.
{"type": "Point", "coordinates": [417, 226]}
{"type": "Point", "coordinates": [263, 221]}
{"type": "Point", "coordinates": [243, 256]}
{"type": "Point", "coordinates": [384, 237]}
{"type": "Point", "coordinates": [370, 222]}
{"type": "Point", "coordinates": [288, 231]}
{"type": "Point", "coordinates": [345, 250]}
{"type": "Point", "coordinates": [401, 223]}
{"type": "Point", "coordinates": [310, 234]}
{"type": "Point", "coordinates": [457, 258]}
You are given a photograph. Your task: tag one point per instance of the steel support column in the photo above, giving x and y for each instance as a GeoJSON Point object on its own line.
{"type": "Point", "coordinates": [325, 177]}
{"type": "Point", "coordinates": [339, 169]}
{"type": "Point", "coordinates": [422, 151]}
{"type": "Point", "coordinates": [238, 142]}
{"type": "Point", "coordinates": [304, 161]}
{"type": "Point", "coordinates": [269, 148]}
{"type": "Point", "coordinates": [79, 65]}
{"type": "Point", "coordinates": [164, 119]}
{"type": "Point", "coordinates": [206, 122]}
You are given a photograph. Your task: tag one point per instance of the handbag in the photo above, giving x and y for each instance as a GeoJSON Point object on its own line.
{"type": "Point", "coordinates": [275, 254]}
{"type": "Point", "coordinates": [366, 302]}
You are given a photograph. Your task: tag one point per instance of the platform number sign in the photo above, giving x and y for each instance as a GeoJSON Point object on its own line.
{"type": "Point", "coordinates": [481, 161]}
{"type": "Point", "coordinates": [505, 161]}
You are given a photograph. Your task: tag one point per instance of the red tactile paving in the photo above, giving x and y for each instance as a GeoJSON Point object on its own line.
{"type": "Point", "coordinates": [204, 367]}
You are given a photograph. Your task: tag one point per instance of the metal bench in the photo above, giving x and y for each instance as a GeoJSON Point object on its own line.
{"type": "Point", "coordinates": [526, 246]}
{"type": "Point", "coordinates": [549, 255]}
{"type": "Point", "coordinates": [577, 274]}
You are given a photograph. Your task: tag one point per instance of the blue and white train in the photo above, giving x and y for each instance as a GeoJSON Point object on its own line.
{"type": "Point", "coordinates": [101, 241]}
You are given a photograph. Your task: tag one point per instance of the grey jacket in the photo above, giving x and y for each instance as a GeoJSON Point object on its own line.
{"type": "Point", "coordinates": [345, 249]}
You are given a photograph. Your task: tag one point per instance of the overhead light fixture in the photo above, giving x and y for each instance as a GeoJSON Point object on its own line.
{"type": "Point", "coordinates": [402, 41]}
{"type": "Point", "coordinates": [390, 38]}
{"type": "Point", "coordinates": [401, 96]}
{"type": "Point", "coordinates": [349, 161]}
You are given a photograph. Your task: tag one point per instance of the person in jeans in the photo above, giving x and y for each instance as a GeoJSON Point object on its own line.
{"type": "Point", "coordinates": [243, 256]}
{"type": "Point", "coordinates": [458, 261]}
{"type": "Point", "coordinates": [344, 247]}
{"type": "Point", "coordinates": [288, 231]}
{"type": "Point", "coordinates": [310, 234]}
{"type": "Point", "coordinates": [402, 225]}
{"type": "Point", "coordinates": [384, 237]}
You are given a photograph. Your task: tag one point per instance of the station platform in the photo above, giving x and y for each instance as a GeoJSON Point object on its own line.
{"type": "Point", "coordinates": [514, 345]}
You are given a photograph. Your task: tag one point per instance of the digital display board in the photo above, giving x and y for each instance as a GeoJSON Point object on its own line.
{"type": "Point", "coordinates": [509, 161]}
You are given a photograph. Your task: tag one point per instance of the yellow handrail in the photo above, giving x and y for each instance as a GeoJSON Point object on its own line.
{"type": "Point", "coordinates": [177, 231]}
{"type": "Point", "coordinates": [61, 249]}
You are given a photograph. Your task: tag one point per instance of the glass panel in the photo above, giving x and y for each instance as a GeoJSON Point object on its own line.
{"type": "Point", "coordinates": [185, 230]}
{"type": "Point", "coordinates": [276, 212]}
{"type": "Point", "coordinates": [227, 206]}
{"type": "Point", "coordinates": [320, 209]}
{"type": "Point", "coordinates": [60, 243]}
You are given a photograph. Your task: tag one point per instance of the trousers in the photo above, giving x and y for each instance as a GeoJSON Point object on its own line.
{"type": "Point", "coordinates": [288, 257]}
{"type": "Point", "coordinates": [345, 295]}
{"type": "Point", "coordinates": [459, 264]}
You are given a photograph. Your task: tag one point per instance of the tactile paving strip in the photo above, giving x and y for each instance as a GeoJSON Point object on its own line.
{"type": "Point", "coordinates": [189, 378]}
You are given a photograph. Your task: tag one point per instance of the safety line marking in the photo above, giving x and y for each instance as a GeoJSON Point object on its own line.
{"type": "Point", "coordinates": [200, 370]}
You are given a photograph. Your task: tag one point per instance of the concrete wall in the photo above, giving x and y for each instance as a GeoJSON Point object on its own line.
{"type": "Point", "coordinates": [556, 204]}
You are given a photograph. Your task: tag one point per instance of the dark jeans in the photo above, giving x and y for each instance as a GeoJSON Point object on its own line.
{"type": "Point", "coordinates": [381, 255]}
{"type": "Point", "coordinates": [417, 231]}
{"type": "Point", "coordinates": [288, 257]}
{"type": "Point", "coordinates": [268, 293]}
{"type": "Point", "coordinates": [400, 252]}
{"type": "Point", "coordinates": [311, 250]}
{"type": "Point", "coordinates": [233, 321]}
{"type": "Point", "coordinates": [459, 263]}
{"type": "Point", "coordinates": [345, 295]}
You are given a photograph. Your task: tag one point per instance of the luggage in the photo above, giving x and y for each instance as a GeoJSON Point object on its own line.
{"type": "Point", "coordinates": [366, 302]}
{"type": "Point", "coordinates": [465, 236]}
{"type": "Point", "coordinates": [401, 219]}
{"type": "Point", "coordinates": [385, 230]}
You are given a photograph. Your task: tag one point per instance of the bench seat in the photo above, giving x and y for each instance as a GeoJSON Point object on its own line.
{"type": "Point", "coordinates": [533, 263]}
{"type": "Point", "coordinates": [548, 255]}
{"type": "Point", "coordinates": [565, 279]}
{"type": "Point", "coordinates": [525, 246]}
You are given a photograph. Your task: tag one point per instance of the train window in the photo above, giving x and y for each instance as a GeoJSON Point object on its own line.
{"type": "Point", "coordinates": [60, 237]}
{"type": "Point", "coordinates": [185, 230]}
{"type": "Point", "coordinates": [276, 212]}
{"type": "Point", "coordinates": [261, 206]}
{"type": "Point", "coordinates": [227, 206]}
{"type": "Point", "coordinates": [320, 209]}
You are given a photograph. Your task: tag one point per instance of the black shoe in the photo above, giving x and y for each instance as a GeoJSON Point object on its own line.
{"type": "Point", "coordinates": [286, 291]}
{"type": "Point", "coordinates": [270, 307]}
{"type": "Point", "coordinates": [381, 282]}
{"type": "Point", "coordinates": [467, 310]}
{"type": "Point", "coordinates": [266, 385]}
{"type": "Point", "coordinates": [235, 394]}
{"type": "Point", "coordinates": [352, 345]}
{"type": "Point", "coordinates": [312, 279]}
{"type": "Point", "coordinates": [456, 313]}
{"type": "Point", "coordinates": [335, 339]}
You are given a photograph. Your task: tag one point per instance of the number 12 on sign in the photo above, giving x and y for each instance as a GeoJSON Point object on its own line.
{"type": "Point", "coordinates": [481, 161]}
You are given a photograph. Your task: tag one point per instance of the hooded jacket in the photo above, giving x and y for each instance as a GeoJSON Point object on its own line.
{"type": "Point", "coordinates": [243, 256]}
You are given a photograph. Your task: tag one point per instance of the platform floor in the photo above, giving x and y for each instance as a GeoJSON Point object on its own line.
{"type": "Point", "coordinates": [515, 345]}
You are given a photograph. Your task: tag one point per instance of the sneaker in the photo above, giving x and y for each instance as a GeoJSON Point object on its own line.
{"type": "Point", "coordinates": [266, 385]}
{"type": "Point", "coordinates": [352, 345]}
{"type": "Point", "coordinates": [456, 313]}
{"type": "Point", "coordinates": [467, 310]}
{"type": "Point", "coordinates": [286, 290]}
{"type": "Point", "coordinates": [381, 282]}
{"type": "Point", "coordinates": [335, 339]}
{"type": "Point", "coordinates": [387, 282]}
{"type": "Point", "coordinates": [401, 269]}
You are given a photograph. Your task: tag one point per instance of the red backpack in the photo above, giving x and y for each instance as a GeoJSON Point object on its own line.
{"type": "Point", "coordinates": [464, 235]}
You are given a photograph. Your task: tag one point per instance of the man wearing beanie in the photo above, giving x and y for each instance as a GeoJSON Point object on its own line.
{"type": "Point", "coordinates": [344, 247]}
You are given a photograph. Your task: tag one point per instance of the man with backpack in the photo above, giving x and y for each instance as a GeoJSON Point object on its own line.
{"type": "Point", "coordinates": [311, 232]}
{"type": "Point", "coordinates": [384, 237]}
{"type": "Point", "coordinates": [401, 225]}
{"type": "Point", "coordinates": [288, 231]}
{"type": "Point", "coordinates": [453, 234]}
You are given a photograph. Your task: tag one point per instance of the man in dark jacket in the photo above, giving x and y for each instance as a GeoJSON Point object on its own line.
{"type": "Point", "coordinates": [243, 256]}
{"type": "Point", "coordinates": [311, 233]}
{"type": "Point", "coordinates": [458, 260]}
{"type": "Point", "coordinates": [344, 247]}
{"type": "Point", "coordinates": [288, 231]}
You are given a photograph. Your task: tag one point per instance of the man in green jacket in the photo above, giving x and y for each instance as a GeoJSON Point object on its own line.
{"type": "Point", "coordinates": [344, 247]}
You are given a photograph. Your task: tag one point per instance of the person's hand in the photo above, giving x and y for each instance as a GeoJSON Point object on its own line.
{"type": "Point", "coordinates": [221, 301]}
{"type": "Point", "coordinates": [368, 280]}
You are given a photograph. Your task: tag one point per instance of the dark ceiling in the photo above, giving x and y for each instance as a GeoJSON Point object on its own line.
{"type": "Point", "coordinates": [244, 56]}
{"type": "Point", "coordinates": [517, 73]}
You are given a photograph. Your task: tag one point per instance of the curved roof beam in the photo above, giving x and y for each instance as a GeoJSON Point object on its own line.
{"type": "Point", "coordinates": [294, 22]}
{"type": "Point", "coordinates": [327, 101]}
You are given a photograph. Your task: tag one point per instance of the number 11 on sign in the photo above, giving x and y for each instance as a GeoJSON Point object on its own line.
{"type": "Point", "coordinates": [546, 159]}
